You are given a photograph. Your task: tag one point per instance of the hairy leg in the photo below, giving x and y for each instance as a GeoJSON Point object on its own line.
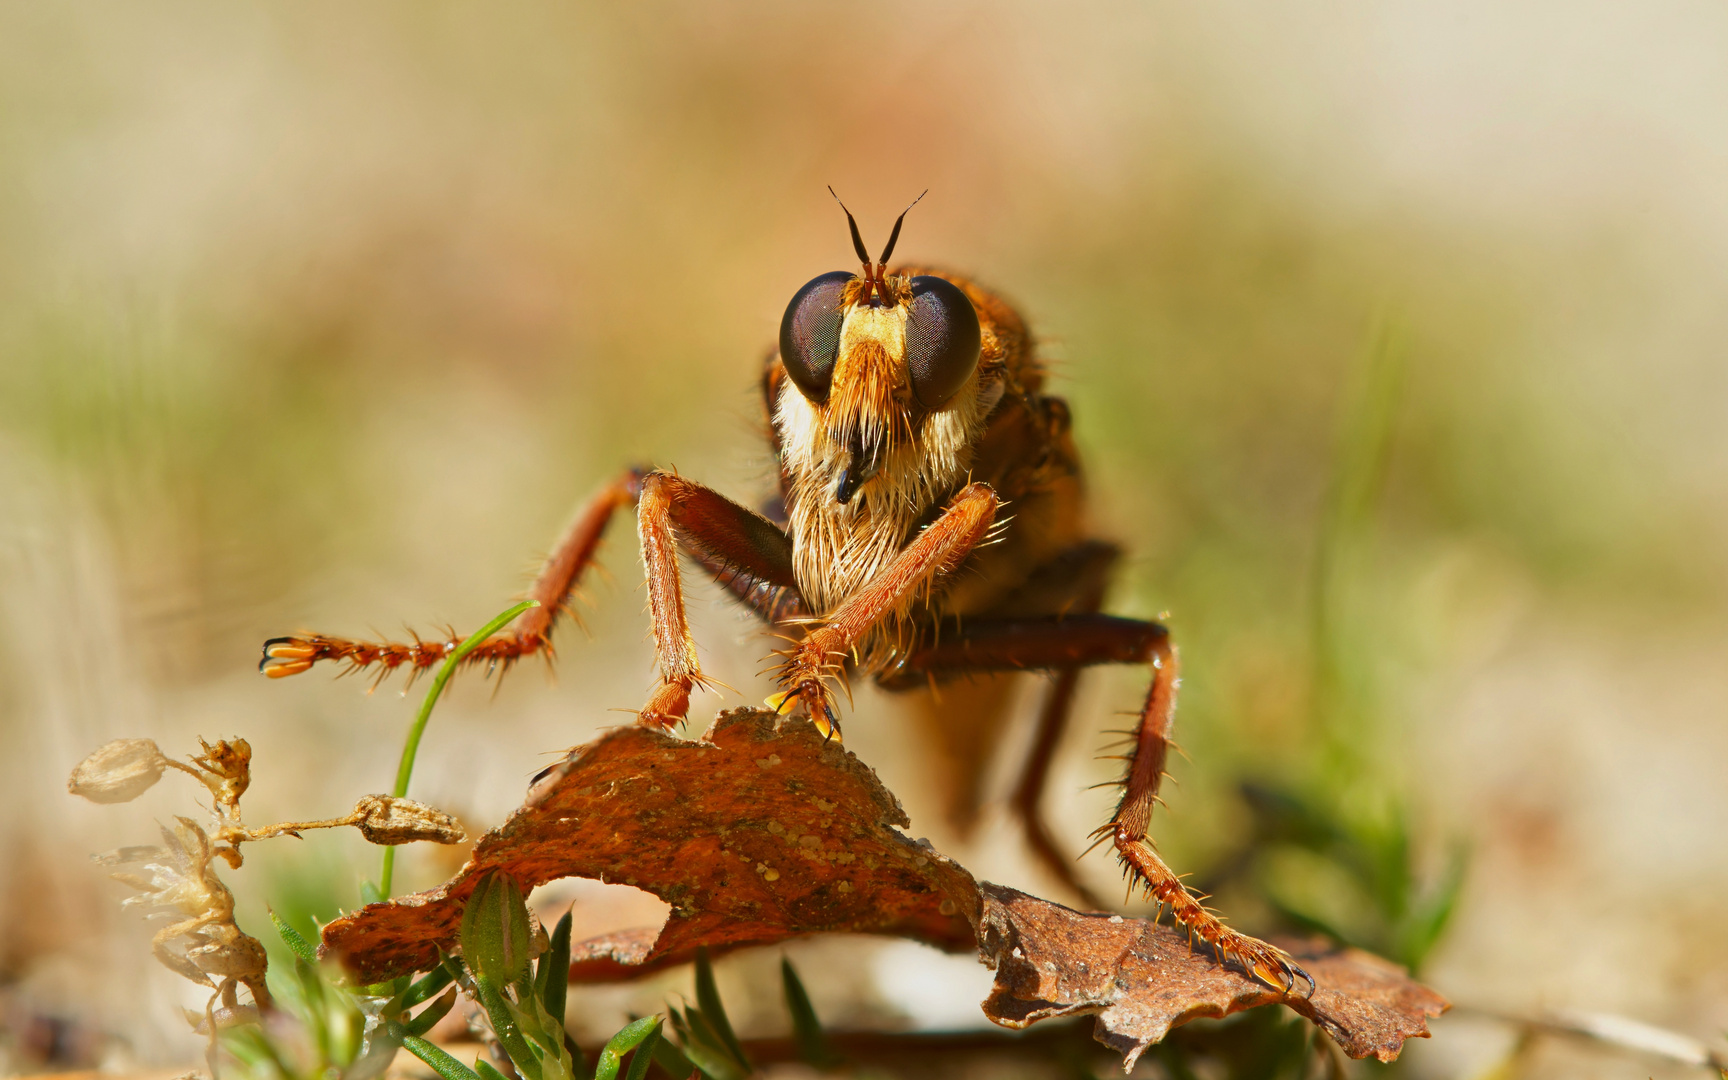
{"type": "Point", "coordinates": [936, 551]}
{"type": "Point", "coordinates": [1028, 797]}
{"type": "Point", "coordinates": [742, 549]}
{"type": "Point", "coordinates": [1064, 644]}
{"type": "Point", "coordinates": [1042, 643]}
{"type": "Point", "coordinates": [1129, 830]}
{"type": "Point", "coordinates": [1072, 583]}
{"type": "Point", "coordinates": [746, 553]}
{"type": "Point", "coordinates": [530, 633]}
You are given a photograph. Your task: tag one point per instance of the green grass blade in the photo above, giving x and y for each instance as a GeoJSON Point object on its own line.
{"type": "Point", "coordinates": [1311, 924]}
{"type": "Point", "coordinates": [424, 990]}
{"type": "Point", "coordinates": [713, 1063]}
{"type": "Point", "coordinates": [708, 1000]}
{"type": "Point", "coordinates": [813, 1045]}
{"type": "Point", "coordinates": [547, 1038]}
{"type": "Point", "coordinates": [697, 1031]}
{"type": "Point", "coordinates": [411, 746]}
{"type": "Point", "coordinates": [671, 1060]}
{"type": "Point", "coordinates": [291, 937]}
{"type": "Point", "coordinates": [554, 973]}
{"type": "Point", "coordinates": [1393, 876]}
{"type": "Point", "coordinates": [1424, 928]}
{"type": "Point", "coordinates": [504, 1026]}
{"type": "Point", "coordinates": [1362, 452]}
{"type": "Point", "coordinates": [705, 1049]}
{"type": "Point", "coordinates": [487, 1071]}
{"type": "Point", "coordinates": [628, 1038]}
{"type": "Point", "coordinates": [437, 1060]}
{"type": "Point", "coordinates": [645, 1054]}
{"type": "Point", "coordinates": [432, 1013]}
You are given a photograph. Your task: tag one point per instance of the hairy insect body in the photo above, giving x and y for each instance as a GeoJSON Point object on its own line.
{"type": "Point", "coordinates": [895, 464]}
{"type": "Point", "coordinates": [930, 523]}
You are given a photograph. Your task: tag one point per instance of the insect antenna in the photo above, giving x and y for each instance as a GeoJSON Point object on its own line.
{"type": "Point", "coordinates": [894, 237]}
{"type": "Point", "coordinates": [857, 240]}
{"type": "Point", "coordinates": [875, 284]}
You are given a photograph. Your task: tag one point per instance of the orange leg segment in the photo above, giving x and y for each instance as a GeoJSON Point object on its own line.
{"type": "Point", "coordinates": [1065, 644]}
{"type": "Point", "coordinates": [742, 549]}
{"type": "Point", "coordinates": [1129, 829]}
{"type": "Point", "coordinates": [938, 550]}
{"type": "Point", "coordinates": [530, 633]}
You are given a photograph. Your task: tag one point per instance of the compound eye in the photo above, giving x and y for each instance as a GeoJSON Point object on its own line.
{"type": "Point", "coordinates": [810, 334]}
{"type": "Point", "coordinates": [943, 340]}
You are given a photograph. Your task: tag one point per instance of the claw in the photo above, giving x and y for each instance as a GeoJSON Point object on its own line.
{"type": "Point", "coordinates": [1274, 968]}
{"type": "Point", "coordinates": [282, 670]}
{"type": "Point", "coordinates": [813, 696]}
{"type": "Point", "coordinates": [286, 648]}
{"type": "Point", "coordinates": [827, 723]}
{"type": "Point", "coordinates": [286, 656]}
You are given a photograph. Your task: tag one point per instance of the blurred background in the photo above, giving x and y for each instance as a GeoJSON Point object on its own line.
{"type": "Point", "coordinates": [1394, 336]}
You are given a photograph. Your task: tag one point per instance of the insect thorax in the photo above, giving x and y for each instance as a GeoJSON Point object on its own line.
{"type": "Point", "coordinates": [839, 547]}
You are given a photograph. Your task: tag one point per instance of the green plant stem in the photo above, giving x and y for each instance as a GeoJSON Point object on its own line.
{"type": "Point", "coordinates": [443, 1064]}
{"type": "Point", "coordinates": [1346, 533]}
{"type": "Point", "coordinates": [411, 748]}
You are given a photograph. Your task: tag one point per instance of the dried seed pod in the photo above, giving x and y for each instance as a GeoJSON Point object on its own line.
{"type": "Point", "coordinates": [119, 771]}
{"type": "Point", "coordinates": [386, 820]}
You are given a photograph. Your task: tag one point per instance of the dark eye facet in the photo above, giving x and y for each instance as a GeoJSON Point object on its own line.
{"type": "Point", "coordinates": [943, 341]}
{"type": "Point", "coordinates": [810, 334]}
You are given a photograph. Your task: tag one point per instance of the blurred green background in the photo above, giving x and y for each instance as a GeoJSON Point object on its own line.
{"type": "Point", "coordinates": [1394, 336]}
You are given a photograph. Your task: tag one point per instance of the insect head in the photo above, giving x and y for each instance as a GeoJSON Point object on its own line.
{"type": "Point", "coordinates": [939, 336]}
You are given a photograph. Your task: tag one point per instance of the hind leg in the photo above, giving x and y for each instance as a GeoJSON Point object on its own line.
{"type": "Point", "coordinates": [1065, 644]}
{"type": "Point", "coordinates": [1028, 798]}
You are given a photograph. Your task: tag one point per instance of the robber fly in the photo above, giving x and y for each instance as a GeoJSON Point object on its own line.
{"type": "Point", "coordinates": [928, 524]}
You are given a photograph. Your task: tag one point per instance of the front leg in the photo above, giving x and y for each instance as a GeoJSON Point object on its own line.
{"type": "Point", "coordinates": [936, 551]}
{"type": "Point", "coordinates": [742, 550]}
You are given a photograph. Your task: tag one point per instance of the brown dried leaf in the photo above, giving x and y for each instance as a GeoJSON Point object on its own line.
{"type": "Point", "coordinates": [613, 957]}
{"type": "Point", "coordinates": [755, 835]}
{"type": "Point", "coordinates": [752, 834]}
{"type": "Point", "coordinates": [1141, 979]}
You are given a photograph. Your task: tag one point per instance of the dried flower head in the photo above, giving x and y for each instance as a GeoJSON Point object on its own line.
{"type": "Point", "coordinates": [383, 819]}
{"type": "Point", "coordinates": [227, 773]}
{"type": "Point", "coordinates": [119, 771]}
{"type": "Point", "coordinates": [178, 878]}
